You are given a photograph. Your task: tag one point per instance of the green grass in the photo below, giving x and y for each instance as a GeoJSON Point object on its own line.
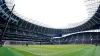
{"type": "Point", "coordinates": [51, 50]}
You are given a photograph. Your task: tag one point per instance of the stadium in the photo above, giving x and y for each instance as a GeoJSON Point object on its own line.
{"type": "Point", "coordinates": [20, 37]}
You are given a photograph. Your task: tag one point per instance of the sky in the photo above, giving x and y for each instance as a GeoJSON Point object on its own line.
{"type": "Point", "coordinates": [54, 13]}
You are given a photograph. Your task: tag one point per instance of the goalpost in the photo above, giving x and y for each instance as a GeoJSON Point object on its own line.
{"type": "Point", "coordinates": [7, 43]}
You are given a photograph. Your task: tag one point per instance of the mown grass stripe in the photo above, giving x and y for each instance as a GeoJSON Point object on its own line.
{"type": "Point", "coordinates": [25, 53]}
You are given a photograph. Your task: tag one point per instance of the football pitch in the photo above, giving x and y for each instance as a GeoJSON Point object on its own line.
{"type": "Point", "coordinates": [50, 50]}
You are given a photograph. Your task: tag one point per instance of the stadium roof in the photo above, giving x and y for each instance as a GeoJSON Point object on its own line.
{"type": "Point", "coordinates": [93, 21]}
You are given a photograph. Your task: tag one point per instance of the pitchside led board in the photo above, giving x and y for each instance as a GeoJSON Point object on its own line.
{"type": "Point", "coordinates": [57, 35]}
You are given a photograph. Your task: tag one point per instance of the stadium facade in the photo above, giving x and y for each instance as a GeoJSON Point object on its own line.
{"type": "Point", "coordinates": [14, 28]}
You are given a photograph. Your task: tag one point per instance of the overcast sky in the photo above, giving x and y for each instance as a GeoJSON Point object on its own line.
{"type": "Point", "coordinates": [55, 13]}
